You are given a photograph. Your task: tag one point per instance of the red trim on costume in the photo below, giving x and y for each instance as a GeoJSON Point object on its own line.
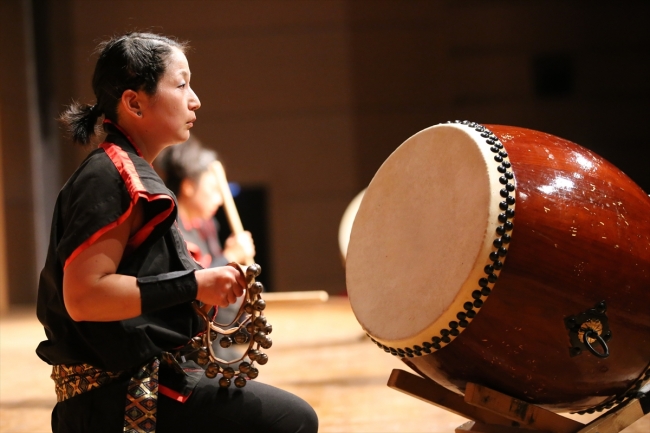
{"type": "Point", "coordinates": [174, 395]}
{"type": "Point", "coordinates": [91, 240]}
{"type": "Point", "coordinates": [125, 166]}
{"type": "Point", "coordinates": [132, 180]}
{"type": "Point", "coordinates": [136, 190]}
{"type": "Point", "coordinates": [141, 235]}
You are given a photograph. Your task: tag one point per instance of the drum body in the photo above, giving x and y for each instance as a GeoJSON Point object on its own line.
{"type": "Point", "coordinates": [509, 258]}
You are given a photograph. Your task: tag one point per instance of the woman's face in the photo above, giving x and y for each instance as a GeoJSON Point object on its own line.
{"type": "Point", "coordinates": [169, 114]}
{"type": "Point", "coordinates": [202, 198]}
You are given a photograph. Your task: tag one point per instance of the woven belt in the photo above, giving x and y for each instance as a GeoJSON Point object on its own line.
{"type": "Point", "coordinates": [141, 397]}
{"type": "Point", "coordinates": [72, 380]}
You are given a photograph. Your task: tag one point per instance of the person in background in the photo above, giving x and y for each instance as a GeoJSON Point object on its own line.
{"type": "Point", "coordinates": [117, 292]}
{"type": "Point", "coordinates": [186, 170]}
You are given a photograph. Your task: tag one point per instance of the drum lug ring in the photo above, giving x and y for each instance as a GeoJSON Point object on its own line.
{"type": "Point", "coordinates": [589, 327]}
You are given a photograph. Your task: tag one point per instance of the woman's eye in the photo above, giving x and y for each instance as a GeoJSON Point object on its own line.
{"type": "Point", "coordinates": [182, 85]}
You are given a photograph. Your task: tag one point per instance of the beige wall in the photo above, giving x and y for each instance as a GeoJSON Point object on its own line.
{"type": "Point", "coordinates": [309, 98]}
{"type": "Point", "coordinates": [4, 289]}
{"type": "Point", "coordinates": [20, 251]}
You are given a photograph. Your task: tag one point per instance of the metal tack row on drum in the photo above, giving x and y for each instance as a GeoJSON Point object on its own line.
{"type": "Point", "coordinates": [548, 306]}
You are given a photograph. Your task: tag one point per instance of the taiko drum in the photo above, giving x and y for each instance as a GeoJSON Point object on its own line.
{"type": "Point", "coordinates": [509, 258]}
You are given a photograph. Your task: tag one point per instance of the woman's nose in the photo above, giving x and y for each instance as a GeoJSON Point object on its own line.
{"type": "Point", "coordinates": [195, 103]}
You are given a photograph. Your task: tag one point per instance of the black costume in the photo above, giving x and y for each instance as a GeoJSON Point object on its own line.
{"type": "Point", "coordinates": [108, 374]}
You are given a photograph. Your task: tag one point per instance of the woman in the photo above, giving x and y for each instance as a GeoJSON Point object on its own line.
{"type": "Point", "coordinates": [115, 295]}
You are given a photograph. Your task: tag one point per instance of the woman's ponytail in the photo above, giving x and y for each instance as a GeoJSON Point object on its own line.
{"type": "Point", "coordinates": [79, 120]}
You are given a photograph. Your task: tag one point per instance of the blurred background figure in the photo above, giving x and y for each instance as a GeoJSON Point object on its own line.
{"type": "Point", "coordinates": [188, 171]}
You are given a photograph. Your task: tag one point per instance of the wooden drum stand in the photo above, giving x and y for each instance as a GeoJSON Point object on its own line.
{"type": "Point", "coordinates": [493, 412]}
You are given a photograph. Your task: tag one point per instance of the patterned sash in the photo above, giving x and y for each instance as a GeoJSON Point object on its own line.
{"type": "Point", "coordinates": [142, 400]}
{"type": "Point", "coordinates": [141, 397]}
{"type": "Point", "coordinates": [72, 380]}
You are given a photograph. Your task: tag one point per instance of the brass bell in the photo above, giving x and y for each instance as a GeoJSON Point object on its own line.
{"type": "Point", "coordinates": [262, 358]}
{"type": "Point", "coordinates": [212, 370]}
{"type": "Point", "coordinates": [225, 342]}
{"type": "Point", "coordinates": [253, 373]}
{"type": "Point", "coordinates": [259, 305]}
{"type": "Point", "coordinates": [244, 367]}
{"type": "Point", "coordinates": [240, 382]}
{"type": "Point", "coordinates": [253, 354]}
{"type": "Point", "coordinates": [248, 308]}
{"type": "Point", "coordinates": [224, 382]}
{"type": "Point", "coordinates": [228, 372]}
{"type": "Point", "coordinates": [256, 288]}
{"type": "Point", "coordinates": [202, 356]}
{"type": "Point", "coordinates": [259, 337]}
{"type": "Point", "coordinates": [266, 343]}
{"type": "Point", "coordinates": [268, 328]}
{"type": "Point", "coordinates": [260, 321]}
{"type": "Point", "coordinates": [253, 270]}
{"type": "Point", "coordinates": [241, 338]}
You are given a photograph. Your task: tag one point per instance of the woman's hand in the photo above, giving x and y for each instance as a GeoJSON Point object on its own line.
{"type": "Point", "coordinates": [219, 286]}
{"type": "Point", "coordinates": [239, 248]}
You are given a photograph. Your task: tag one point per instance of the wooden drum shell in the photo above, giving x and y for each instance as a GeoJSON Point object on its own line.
{"type": "Point", "coordinates": [581, 236]}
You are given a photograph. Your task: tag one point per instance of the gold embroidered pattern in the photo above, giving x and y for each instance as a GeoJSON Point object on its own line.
{"type": "Point", "coordinates": [142, 400]}
{"type": "Point", "coordinates": [72, 380]}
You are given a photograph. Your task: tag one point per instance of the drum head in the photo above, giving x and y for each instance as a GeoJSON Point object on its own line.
{"type": "Point", "coordinates": [422, 235]}
{"type": "Point", "coordinates": [345, 227]}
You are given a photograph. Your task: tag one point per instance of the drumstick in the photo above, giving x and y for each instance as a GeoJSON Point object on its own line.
{"type": "Point", "coordinates": [236, 227]}
{"type": "Point", "coordinates": [228, 203]}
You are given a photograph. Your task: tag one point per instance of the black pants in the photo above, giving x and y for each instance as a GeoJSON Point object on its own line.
{"type": "Point", "coordinates": [255, 408]}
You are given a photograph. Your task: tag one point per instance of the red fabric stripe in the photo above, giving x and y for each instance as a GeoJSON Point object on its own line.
{"type": "Point", "coordinates": [174, 395]}
{"type": "Point", "coordinates": [136, 190]}
{"type": "Point", "coordinates": [91, 240]}
{"type": "Point", "coordinates": [132, 180]}
{"type": "Point", "coordinates": [125, 166]}
{"type": "Point", "coordinates": [142, 234]}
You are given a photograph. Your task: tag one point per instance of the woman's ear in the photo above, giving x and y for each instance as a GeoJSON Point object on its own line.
{"type": "Point", "coordinates": [187, 188]}
{"type": "Point", "coordinates": [131, 103]}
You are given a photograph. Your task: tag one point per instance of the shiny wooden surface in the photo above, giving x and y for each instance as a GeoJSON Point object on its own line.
{"type": "Point", "coordinates": [581, 235]}
{"type": "Point", "coordinates": [319, 353]}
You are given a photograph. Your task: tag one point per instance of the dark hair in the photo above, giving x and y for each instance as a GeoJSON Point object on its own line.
{"type": "Point", "coordinates": [188, 160]}
{"type": "Point", "coordinates": [135, 61]}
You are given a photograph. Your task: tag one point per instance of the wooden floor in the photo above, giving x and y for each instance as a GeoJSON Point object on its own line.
{"type": "Point", "coordinates": [319, 353]}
